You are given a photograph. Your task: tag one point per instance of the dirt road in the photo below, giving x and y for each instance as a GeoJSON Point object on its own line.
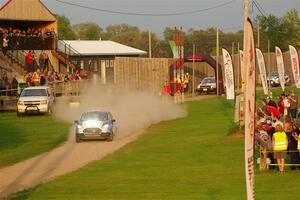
{"type": "Point", "coordinates": [66, 158]}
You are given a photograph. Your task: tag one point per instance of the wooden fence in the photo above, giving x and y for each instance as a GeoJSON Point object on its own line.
{"type": "Point", "coordinates": [141, 73]}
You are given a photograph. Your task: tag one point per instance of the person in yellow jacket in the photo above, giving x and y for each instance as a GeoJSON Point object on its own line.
{"type": "Point", "coordinates": [280, 145]}
{"type": "Point", "coordinates": [36, 78]}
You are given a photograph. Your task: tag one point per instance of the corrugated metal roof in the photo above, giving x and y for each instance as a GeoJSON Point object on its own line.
{"type": "Point", "coordinates": [26, 10]}
{"type": "Point", "coordinates": [102, 47]}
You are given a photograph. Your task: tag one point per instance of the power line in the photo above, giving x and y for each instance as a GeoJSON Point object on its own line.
{"type": "Point", "coordinates": [147, 14]}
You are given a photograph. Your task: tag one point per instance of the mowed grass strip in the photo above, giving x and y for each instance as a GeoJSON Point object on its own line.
{"type": "Point", "coordinates": [189, 158]}
{"type": "Point", "coordinates": [25, 137]}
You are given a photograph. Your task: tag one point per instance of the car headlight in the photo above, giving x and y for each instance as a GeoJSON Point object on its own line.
{"type": "Point", "coordinates": [43, 102]}
{"type": "Point", "coordinates": [79, 126]}
{"type": "Point", "coordinates": [20, 103]}
{"type": "Point", "coordinates": [198, 86]}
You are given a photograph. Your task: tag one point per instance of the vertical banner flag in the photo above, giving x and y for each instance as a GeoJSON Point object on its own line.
{"type": "Point", "coordinates": [249, 65]}
{"type": "Point", "coordinates": [280, 67]}
{"type": "Point", "coordinates": [242, 100]}
{"type": "Point", "coordinates": [295, 65]}
{"type": "Point", "coordinates": [229, 77]}
{"type": "Point", "coordinates": [262, 70]}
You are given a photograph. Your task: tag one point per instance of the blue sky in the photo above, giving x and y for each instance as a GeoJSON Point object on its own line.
{"type": "Point", "coordinates": [227, 18]}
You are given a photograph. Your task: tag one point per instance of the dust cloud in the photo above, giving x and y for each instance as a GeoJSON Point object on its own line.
{"type": "Point", "coordinates": [133, 110]}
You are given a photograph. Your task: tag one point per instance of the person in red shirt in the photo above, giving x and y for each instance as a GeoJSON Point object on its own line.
{"type": "Point", "coordinates": [29, 62]}
{"type": "Point", "coordinates": [167, 88]}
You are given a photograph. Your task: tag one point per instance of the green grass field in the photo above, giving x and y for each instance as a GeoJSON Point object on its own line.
{"type": "Point", "coordinates": [190, 158]}
{"type": "Point", "coordinates": [25, 137]}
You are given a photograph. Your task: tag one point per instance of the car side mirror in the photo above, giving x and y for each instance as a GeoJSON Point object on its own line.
{"type": "Point", "coordinates": [113, 120]}
{"type": "Point", "coordinates": [76, 121]}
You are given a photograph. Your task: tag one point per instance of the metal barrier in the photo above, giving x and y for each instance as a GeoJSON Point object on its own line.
{"type": "Point", "coordinates": [265, 162]}
{"type": "Point", "coordinates": [9, 97]}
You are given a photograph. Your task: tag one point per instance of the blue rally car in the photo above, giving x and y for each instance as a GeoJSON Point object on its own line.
{"type": "Point", "coordinates": [95, 125]}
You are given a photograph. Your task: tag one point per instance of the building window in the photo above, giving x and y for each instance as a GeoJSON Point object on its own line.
{"type": "Point", "coordinates": [107, 63]}
{"type": "Point", "coordinates": [112, 63]}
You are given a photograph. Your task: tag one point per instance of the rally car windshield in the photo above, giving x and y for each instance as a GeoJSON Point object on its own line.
{"type": "Point", "coordinates": [208, 81]}
{"type": "Point", "coordinates": [98, 116]}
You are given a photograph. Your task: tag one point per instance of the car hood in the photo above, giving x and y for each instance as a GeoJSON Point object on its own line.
{"type": "Point", "coordinates": [92, 124]}
{"type": "Point", "coordinates": [33, 98]}
{"type": "Point", "coordinates": [207, 84]}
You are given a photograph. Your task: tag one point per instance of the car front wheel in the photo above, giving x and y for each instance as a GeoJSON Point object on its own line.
{"type": "Point", "coordinates": [78, 140]}
{"type": "Point", "coordinates": [111, 137]}
{"type": "Point", "coordinates": [18, 114]}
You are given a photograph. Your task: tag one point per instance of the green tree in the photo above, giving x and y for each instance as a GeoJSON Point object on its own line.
{"type": "Point", "coordinates": [115, 30]}
{"type": "Point", "coordinates": [87, 31]}
{"type": "Point", "coordinates": [291, 23]}
{"type": "Point", "coordinates": [64, 28]}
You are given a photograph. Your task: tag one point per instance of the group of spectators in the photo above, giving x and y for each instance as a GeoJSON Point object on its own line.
{"type": "Point", "coordinates": [32, 63]}
{"type": "Point", "coordinates": [39, 78]}
{"type": "Point", "coordinates": [277, 130]}
{"type": "Point", "coordinates": [13, 38]}
{"type": "Point", "coordinates": [10, 86]}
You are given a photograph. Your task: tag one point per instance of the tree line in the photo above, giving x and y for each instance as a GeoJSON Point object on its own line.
{"type": "Point", "coordinates": [279, 31]}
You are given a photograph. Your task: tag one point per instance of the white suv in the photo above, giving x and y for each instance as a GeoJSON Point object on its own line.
{"type": "Point", "coordinates": [35, 100]}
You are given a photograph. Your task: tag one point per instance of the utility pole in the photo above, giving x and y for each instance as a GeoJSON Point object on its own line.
{"type": "Point", "coordinates": [193, 86]}
{"type": "Point", "coordinates": [150, 45]}
{"type": "Point", "coordinates": [232, 57]}
{"type": "Point", "coordinates": [238, 69]}
{"type": "Point", "coordinates": [217, 59]}
{"type": "Point", "coordinates": [243, 69]}
{"type": "Point", "coordinates": [269, 67]}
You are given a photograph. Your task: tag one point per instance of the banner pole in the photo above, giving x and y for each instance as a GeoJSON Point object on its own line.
{"type": "Point", "coordinates": [217, 60]}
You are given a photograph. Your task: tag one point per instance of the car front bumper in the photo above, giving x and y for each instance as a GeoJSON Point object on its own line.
{"type": "Point", "coordinates": [33, 109]}
{"type": "Point", "coordinates": [206, 89]}
{"type": "Point", "coordinates": [93, 136]}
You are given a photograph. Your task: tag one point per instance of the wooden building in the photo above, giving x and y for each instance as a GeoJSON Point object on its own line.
{"type": "Point", "coordinates": [27, 23]}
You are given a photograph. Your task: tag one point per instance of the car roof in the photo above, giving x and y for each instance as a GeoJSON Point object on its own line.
{"type": "Point", "coordinates": [37, 88]}
{"type": "Point", "coordinates": [99, 111]}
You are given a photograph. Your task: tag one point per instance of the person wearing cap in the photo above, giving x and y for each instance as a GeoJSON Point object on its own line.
{"type": "Point", "coordinates": [270, 102]}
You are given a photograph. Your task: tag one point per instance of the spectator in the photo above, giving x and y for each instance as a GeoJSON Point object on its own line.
{"type": "Point", "coordinates": [14, 85]}
{"type": "Point", "coordinates": [279, 146]}
{"type": "Point", "coordinates": [29, 62]}
{"type": "Point", "coordinates": [36, 79]}
{"type": "Point", "coordinates": [286, 105]}
{"type": "Point", "coordinates": [5, 44]}
{"type": "Point", "coordinates": [42, 80]}
{"type": "Point", "coordinates": [270, 102]}
{"type": "Point", "coordinates": [294, 105]}
{"type": "Point", "coordinates": [295, 147]}
{"type": "Point", "coordinates": [4, 84]}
